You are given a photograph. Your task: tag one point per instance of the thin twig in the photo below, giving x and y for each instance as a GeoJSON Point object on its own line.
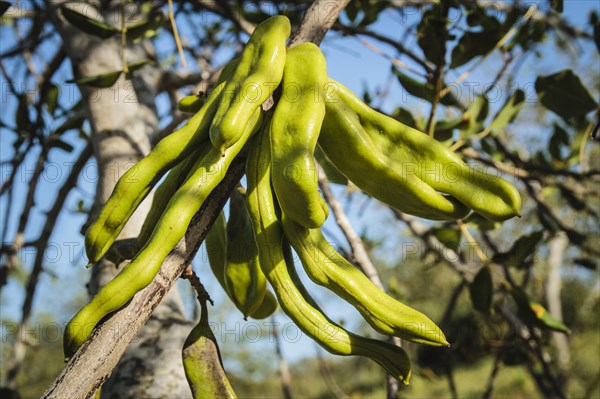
{"type": "Point", "coordinates": [284, 371]}
{"type": "Point", "coordinates": [176, 34]}
{"type": "Point", "coordinates": [492, 378]}
{"type": "Point", "coordinates": [328, 376]}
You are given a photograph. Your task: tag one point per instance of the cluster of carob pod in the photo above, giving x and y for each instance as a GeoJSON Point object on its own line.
{"type": "Point", "coordinates": [281, 207]}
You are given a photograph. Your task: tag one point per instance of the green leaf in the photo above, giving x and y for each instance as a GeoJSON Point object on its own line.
{"type": "Point", "coordinates": [481, 291]}
{"type": "Point", "coordinates": [475, 116]}
{"type": "Point", "coordinates": [559, 138]}
{"type": "Point", "coordinates": [63, 145]}
{"type": "Point", "coordinates": [147, 28]}
{"type": "Point", "coordinates": [449, 236]}
{"type": "Point", "coordinates": [134, 66]}
{"type": "Point", "coordinates": [522, 253]}
{"type": "Point", "coordinates": [87, 24]}
{"type": "Point", "coordinates": [444, 129]}
{"type": "Point", "coordinates": [99, 81]}
{"type": "Point", "coordinates": [564, 94]}
{"type": "Point", "coordinates": [4, 5]}
{"type": "Point", "coordinates": [351, 10]}
{"type": "Point", "coordinates": [331, 172]}
{"type": "Point", "coordinates": [403, 115]}
{"type": "Point", "coordinates": [478, 221]}
{"type": "Point", "coordinates": [557, 5]}
{"type": "Point", "coordinates": [534, 313]}
{"type": "Point", "coordinates": [473, 44]}
{"type": "Point", "coordinates": [52, 98]}
{"type": "Point", "coordinates": [426, 91]}
{"type": "Point", "coordinates": [429, 31]}
{"type": "Point", "coordinates": [528, 34]}
{"type": "Point", "coordinates": [476, 16]}
{"type": "Point", "coordinates": [509, 111]}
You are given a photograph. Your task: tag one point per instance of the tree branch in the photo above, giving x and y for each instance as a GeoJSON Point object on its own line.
{"type": "Point", "coordinates": [94, 361]}
{"type": "Point", "coordinates": [97, 357]}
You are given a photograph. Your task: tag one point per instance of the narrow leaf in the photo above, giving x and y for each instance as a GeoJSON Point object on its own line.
{"type": "Point", "coordinates": [146, 28]}
{"type": "Point", "coordinates": [481, 291]}
{"type": "Point", "coordinates": [509, 111]}
{"type": "Point", "coordinates": [475, 116]}
{"type": "Point", "coordinates": [99, 81]}
{"type": "Point", "coordinates": [535, 313]}
{"type": "Point", "coordinates": [52, 98]}
{"type": "Point", "coordinates": [87, 24]}
{"type": "Point", "coordinates": [404, 116]}
{"type": "Point", "coordinates": [426, 91]}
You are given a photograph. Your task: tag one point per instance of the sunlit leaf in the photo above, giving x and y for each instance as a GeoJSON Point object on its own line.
{"type": "Point", "coordinates": [449, 236]}
{"type": "Point", "coordinates": [475, 116]}
{"type": "Point", "coordinates": [535, 313]}
{"type": "Point", "coordinates": [508, 112]}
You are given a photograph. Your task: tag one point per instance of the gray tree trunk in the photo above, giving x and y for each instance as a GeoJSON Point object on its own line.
{"type": "Point", "coordinates": [121, 127]}
{"type": "Point", "coordinates": [557, 246]}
